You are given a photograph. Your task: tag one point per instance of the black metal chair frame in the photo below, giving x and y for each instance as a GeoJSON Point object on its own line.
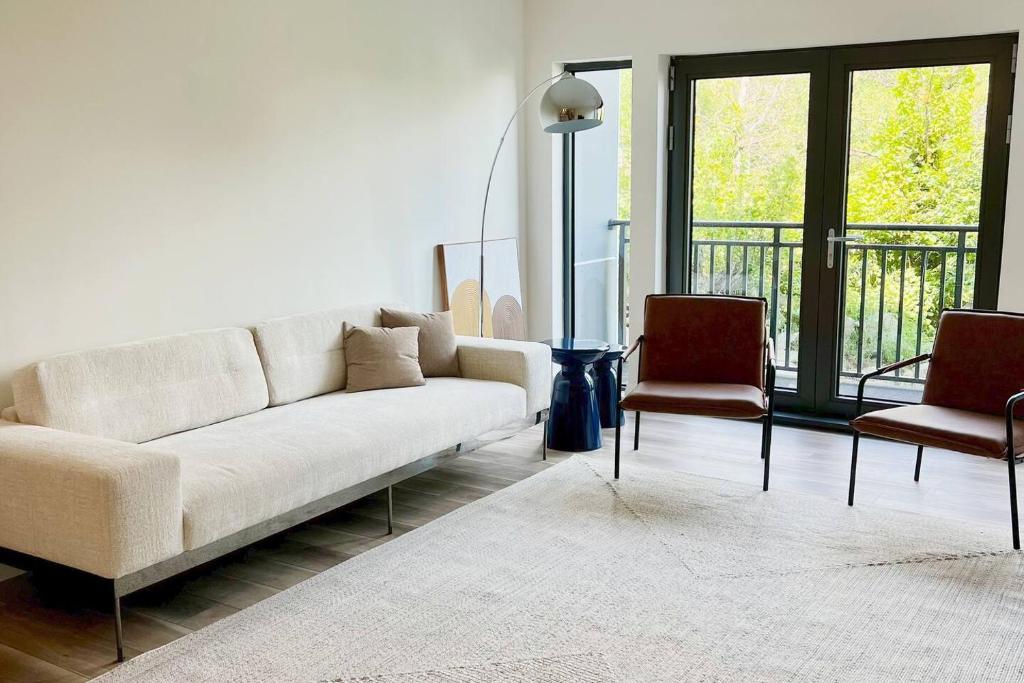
{"type": "Point", "coordinates": [766, 420]}
{"type": "Point", "coordinates": [1011, 458]}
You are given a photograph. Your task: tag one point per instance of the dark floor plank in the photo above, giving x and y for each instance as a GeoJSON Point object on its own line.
{"type": "Point", "coordinates": [294, 553]}
{"type": "Point", "coordinates": [266, 571]}
{"type": "Point", "coordinates": [184, 609]}
{"type": "Point", "coordinates": [18, 666]}
{"type": "Point", "coordinates": [64, 633]}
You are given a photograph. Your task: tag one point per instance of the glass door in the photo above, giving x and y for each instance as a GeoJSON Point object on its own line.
{"type": "Point", "coordinates": [859, 190]}
{"type": "Point", "coordinates": [753, 146]}
{"type": "Point", "coordinates": [915, 185]}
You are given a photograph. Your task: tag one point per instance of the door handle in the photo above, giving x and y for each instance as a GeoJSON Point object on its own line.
{"type": "Point", "coordinates": [832, 239]}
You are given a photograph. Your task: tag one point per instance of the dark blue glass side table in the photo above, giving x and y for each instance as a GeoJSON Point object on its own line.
{"type": "Point", "coordinates": [606, 383]}
{"type": "Point", "coordinates": [574, 423]}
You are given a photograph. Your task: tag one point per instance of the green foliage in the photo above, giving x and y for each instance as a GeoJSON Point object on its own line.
{"type": "Point", "coordinates": [625, 141]}
{"type": "Point", "coordinates": [917, 139]}
{"type": "Point", "coordinates": [915, 157]}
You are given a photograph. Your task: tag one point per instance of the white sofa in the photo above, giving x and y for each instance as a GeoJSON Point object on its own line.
{"type": "Point", "coordinates": [137, 461]}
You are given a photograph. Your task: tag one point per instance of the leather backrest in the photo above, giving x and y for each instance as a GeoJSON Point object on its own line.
{"type": "Point", "coordinates": [977, 361]}
{"type": "Point", "coordinates": [704, 338]}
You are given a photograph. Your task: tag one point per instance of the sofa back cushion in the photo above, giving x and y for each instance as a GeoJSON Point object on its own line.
{"type": "Point", "coordinates": [146, 389]}
{"type": "Point", "coordinates": [302, 354]}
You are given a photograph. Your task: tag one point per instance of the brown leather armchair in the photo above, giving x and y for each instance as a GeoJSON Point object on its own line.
{"type": "Point", "coordinates": [974, 383]}
{"type": "Point", "coordinates": [704, 355]}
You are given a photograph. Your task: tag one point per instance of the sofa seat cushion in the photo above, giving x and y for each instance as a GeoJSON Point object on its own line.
{"type": "Point", "coordinates": [940, 427]}
{"type": "Point", "coordinates": [238, 473]}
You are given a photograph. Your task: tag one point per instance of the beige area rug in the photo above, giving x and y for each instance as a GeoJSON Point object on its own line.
{"type": "Point", "coordinates": [571, 576]}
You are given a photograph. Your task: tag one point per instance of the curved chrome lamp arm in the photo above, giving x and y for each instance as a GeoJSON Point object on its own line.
{"type": "Point", "coordinates": [490, 175]}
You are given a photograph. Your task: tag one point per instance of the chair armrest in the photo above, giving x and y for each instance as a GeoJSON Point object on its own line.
{"type": "Point", "coordinates": [633, 347]}
{"type": "Point", "coordinates": [103, 506]}
{"type": "Point", "coordinates": [883, 370]}
{"type": "Point", "coordinates": [1011, 405]}
{"type": "Point", "coordinates": [527, 364]}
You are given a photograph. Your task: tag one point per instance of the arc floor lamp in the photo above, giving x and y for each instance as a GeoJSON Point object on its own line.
{"type": "Point", "coordinates": [569, 105]}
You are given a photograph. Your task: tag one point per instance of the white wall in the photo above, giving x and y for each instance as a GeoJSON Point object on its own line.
{"type": "Point", "coordinates": [648, 31]}
{"type": "Point", "coordinates": [179, 164]}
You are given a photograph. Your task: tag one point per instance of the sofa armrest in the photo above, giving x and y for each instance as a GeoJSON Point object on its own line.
{"type": "Point", "coordinates": [527, 364]}
{"type": "Point", "coordinates": [103, 506]}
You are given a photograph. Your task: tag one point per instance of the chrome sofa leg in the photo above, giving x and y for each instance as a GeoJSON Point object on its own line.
{"type": "Point", "coordinates": [544, 444]}
{"type": "Point", "coordinates": [118, 626]}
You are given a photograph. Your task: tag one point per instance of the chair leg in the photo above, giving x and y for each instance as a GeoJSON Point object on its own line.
{"type": "Point", "coordinates": [1012, 463]}
{"type": "Point", "coordinates": [853, 467]}
{"type": "Point", "coordinates": [391, 513]}
{"type": "Point", "coordinates": [766, 446]}
{"type": "Point", "coordinates": [118, 627]}
{"type": "Point", "coordinates": [618, 439]}
{"type": "Point", "coordinates": [917, 467]}
{"type": "Point", "coordinates": [636, 432]}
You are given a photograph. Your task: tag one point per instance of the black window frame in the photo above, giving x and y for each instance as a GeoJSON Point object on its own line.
{"type": "Point", "coordinates": [826, 151]}
{"type": "Point", "coordinates": [569, 202]}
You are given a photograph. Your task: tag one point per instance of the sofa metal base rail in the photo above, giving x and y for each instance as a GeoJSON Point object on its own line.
{"type": "Point", "coordinates": [190, 559]}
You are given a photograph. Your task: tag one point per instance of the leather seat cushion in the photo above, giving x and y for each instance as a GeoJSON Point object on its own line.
{"type": "Point", "coordinates": [697, 398]}
{"type": "Point", "coordinates": [940, 427]}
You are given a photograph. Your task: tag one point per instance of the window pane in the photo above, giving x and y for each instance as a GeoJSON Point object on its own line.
{"type": "Point", "coordinates": [749, 176]}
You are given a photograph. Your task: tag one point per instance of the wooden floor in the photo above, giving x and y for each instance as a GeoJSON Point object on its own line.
{"type": "Point", "coordinates": [53, 629]}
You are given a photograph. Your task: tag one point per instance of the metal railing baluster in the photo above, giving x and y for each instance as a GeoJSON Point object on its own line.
{"type": "Point", "coordinates": [774, 322]}
{"type": "Point", "coordinates": [728, 269]}
{"type": "Point", "coordinates": [863, 298]}
{"type": "Point", "coordinates": [774, 266]}
{"type": "Point", "coordinates": [881, 309]}
{"type": "Point", "coordinates": [711, 275]}
{"type": "Point", "coordinates": [789, 306]}
{"type": "Point", "coordinates": [760, 273]}
{"type": "Point", "coordinates": [942, 280]}
{"type": "Point", "coordinates": [920, 310]}
{"type": "Point", "coordinates": [899, 318]}
{"type": "Point", "coordinates": [745, 248]}
{"type": "Point", "coordinates": [958, 287]}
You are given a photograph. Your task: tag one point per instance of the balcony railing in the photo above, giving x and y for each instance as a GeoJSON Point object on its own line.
{"type": "Point", "coordinates": [893, 292]}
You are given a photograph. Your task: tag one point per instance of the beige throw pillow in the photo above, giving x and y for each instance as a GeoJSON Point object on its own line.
{"type": "Point", "coordinates": [381, 358]}
{"type": "Point", "coordinates": [439, 353]}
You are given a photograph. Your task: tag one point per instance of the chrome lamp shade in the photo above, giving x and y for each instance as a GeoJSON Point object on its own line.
{"type": "Point", "coordinates": [570, 105]}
